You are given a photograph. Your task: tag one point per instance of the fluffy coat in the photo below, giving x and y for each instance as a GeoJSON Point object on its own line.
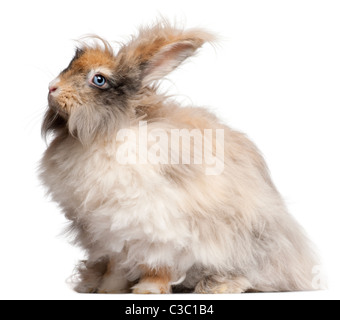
{"type": "Point", "coordinates": [153, 228]}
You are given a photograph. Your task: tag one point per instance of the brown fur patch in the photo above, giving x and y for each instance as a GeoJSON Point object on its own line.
{"type": "Point", "coordinates": [91, 58]}
{"type": "Point", "coordinates": [161, 277]}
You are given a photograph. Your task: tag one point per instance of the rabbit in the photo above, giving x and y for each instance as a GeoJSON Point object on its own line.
{"type": "Point", "coordinates": [162, 227]}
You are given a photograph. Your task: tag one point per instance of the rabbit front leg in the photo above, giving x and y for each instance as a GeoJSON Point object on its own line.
{"type": "Point", "coordinates": [114, 280]}
{"type": "Point", "coordinates": [89, 274]}
{"type": "Point", "coordinates": [154, 281]}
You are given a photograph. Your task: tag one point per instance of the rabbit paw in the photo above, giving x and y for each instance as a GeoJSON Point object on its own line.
{"type": "Point", "coordinates": [220, 285]}
{"type": "Point", "coordinates": [114, 283]}
{"type": "Point", "coordinates": [151, 288]}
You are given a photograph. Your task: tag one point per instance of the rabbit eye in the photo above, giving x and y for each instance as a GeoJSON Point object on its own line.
{"type": "Point", "coordinates": [99, 80]}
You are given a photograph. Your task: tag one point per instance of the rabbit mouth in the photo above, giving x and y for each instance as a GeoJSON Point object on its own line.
{"type": "Point", "coordinates": [55, 106]}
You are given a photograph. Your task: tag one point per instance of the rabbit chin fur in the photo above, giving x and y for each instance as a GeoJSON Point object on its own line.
{"type": "Point", "coordinates": [225, 233]}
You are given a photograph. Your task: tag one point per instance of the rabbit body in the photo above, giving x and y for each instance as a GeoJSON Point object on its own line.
{"type": "Point", "coordinates": [154, 228]}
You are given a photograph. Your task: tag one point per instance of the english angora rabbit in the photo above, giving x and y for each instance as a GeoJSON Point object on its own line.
{"type": "Point", "coordinates": [152, 215]}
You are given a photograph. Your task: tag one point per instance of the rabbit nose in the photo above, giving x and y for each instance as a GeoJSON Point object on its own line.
{"type": "Point", "coordinates": [52, 89]}
{"type": "Point", "coordinates": [53, 86]}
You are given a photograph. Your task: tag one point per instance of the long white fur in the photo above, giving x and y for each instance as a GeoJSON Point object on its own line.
{"type": "Point", "coordinates": [135, 213]}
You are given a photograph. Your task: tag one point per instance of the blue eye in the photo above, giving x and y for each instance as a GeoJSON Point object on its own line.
{"type": "Point", "coordinates": [99, 80]}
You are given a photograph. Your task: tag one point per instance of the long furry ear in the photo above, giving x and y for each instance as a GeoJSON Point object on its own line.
{"type": "Point", "coordinates": [158, 50]}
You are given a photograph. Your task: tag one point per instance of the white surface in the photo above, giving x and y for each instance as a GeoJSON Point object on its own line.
{"type": "Point", "coordinates": [275, 76]}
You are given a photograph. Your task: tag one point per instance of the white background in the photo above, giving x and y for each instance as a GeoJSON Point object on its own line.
{"type": "Point", "coordinates": [275, 76]}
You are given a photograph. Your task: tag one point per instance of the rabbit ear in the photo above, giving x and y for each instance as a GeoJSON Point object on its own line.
{"type": "Point", "coordinates": [160, 49]}
{"type": "Point", "coordinates": [169, 58]}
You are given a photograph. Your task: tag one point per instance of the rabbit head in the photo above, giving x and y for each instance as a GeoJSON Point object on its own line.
{"type": "Point", "coordinates": [99, 91]}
